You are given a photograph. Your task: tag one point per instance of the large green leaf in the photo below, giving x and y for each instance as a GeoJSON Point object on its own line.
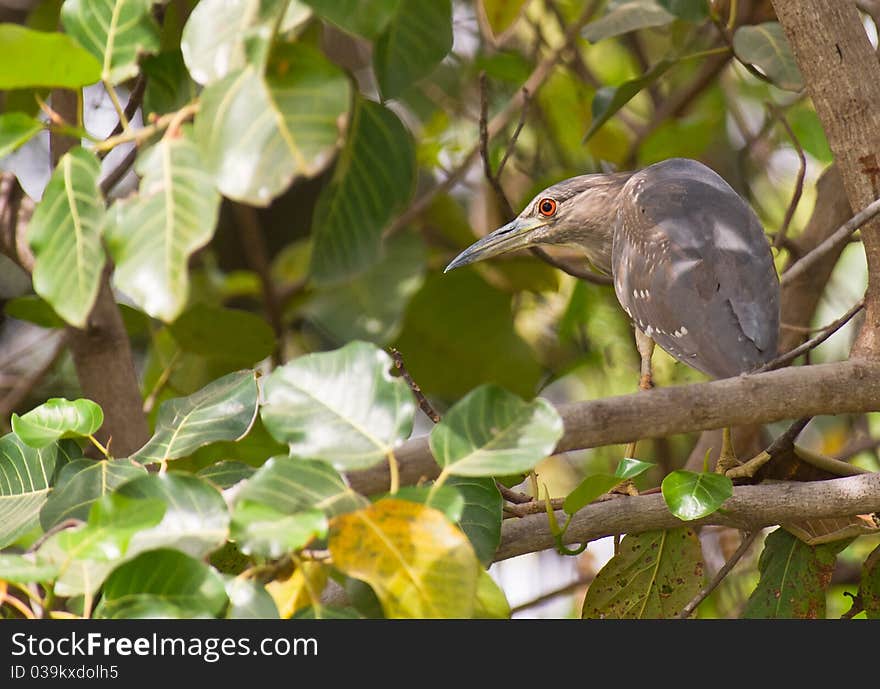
{"type": "Point", "coordinates": [222, 410]}
{"type": "Point", "coordinates": [492, 432]}
{"type": "Point", "coordinates": [416, 561]}
{"type": "Point", "coordinates": [374, 178]}
{"type": "Point", "coordinates": [626, 17]}
{"type": "Point", "coordinates": [80, 483]}
{"type": "Point", "coordinates": [226, 473]}
{"type": "Point", "coordinates": [58, 418]}
{"type": "Point", "coordinates": [258, 133]}
{"type": "Point", "coordinates": [654, 575]}
{"type": "Point", "coordinates": [598, 484]}
{"type": "Point", "coordinates": [794, 578]}
{"type": "Point", "coordinates": [196, 519]}
{"type": "Point", "coordinates": [219, 333]}
{"type": "Point", "coordinates": [248, 600]}
{"type": "Point", "coordinates": [445, 499]}
{"type": "Point", "coordinates": [65, 236]}
{"type": "Point", "coordinates": [491, 603]}
{"type": "Point", "coordinates": [366, 18]}
{"type": "Point", "coordinates": [117, 32]}
{"type": "Point", "coordinates": [370, 307]}
{"type": "Point", "coordinates": [265, 532]}
{"type": "Point", "coordinates": [418, 36]}
{"type": "Point", "coordinates": [25, 478]}
{"type": "Point", "coordinates": [25, 569]}
{"type": "Point", "coordinates": [765, 46]}
{"type": "Point", "coordinates": [143, 587]}
{"type": "Point", "coordinates": [341, 406]}
{"type": "Point", "coordinates": [38, 58]}
{"type": "Point", "coordinates": [155, 232]}
{"type": "Point", "coordinates": [691, 495]}
{"type": "Point", "coordinates": [16, 128]}
{"type": "Point", "coordinates": [500, 15]}
{"type": "Point", "coordinates": [481, 518]}
{"type": "Point", "coordinates": [169, 86]}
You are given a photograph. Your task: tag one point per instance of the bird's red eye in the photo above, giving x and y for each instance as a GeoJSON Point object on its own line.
{"type": "Point", "coordinates": [547, 207]}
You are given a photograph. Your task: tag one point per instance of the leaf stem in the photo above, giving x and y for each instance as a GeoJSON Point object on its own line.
{"type": "Point", "coordinates": [138, 135]}
{"type": "Point", "coordinates": [104, 451]}
{"type": "Point", "coordinates": [394, 471]}
{"type": "Point", "coordinates": [120, 111]}
{"type": "Point", "coordinates": [439, 481]}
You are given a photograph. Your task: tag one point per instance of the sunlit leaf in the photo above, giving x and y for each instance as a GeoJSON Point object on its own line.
{"type": "Point", "coordinates": [24, 569]}
{"type": "Point", "coordinates": [418, 563]}
{"type": "Point", "coordinates": [794, 578]}
{"type": "Point", "coordinates": [300, 590]}
{"type": "Point", "coordinates": [156, 231]}
{"type": "Point", "coordinates": [481, 518]}
{"type": "Point", "coordinates": [492, 432]}
{"type": "Point", "coordinates": [222, 410]}
{"type": "Point", "coordinates": [588, 490]}
{"type": "Point", "coordinates": [38, 58]}
{"type": "Point", "coordinates": [264, 531]}
{"type": "Point", "coordinates": [418, 36]}
{"type": "Point", "coordinates": [766, 47]}
{"type": "Point", "coordinates": [365, 18]}
{"type": "Point", "coordinates": [491, 603]}
{"type": "Point", "coordinates": [654, 575]}
{"type": "Point", "coordinates": [342, 406]}
{"type": "Point", "coordinates": [500, 15]}
{"type": "Point", "coordinates": [117, 32]}
{"type": "Point", "coordinates": [626, 17]}
{"type": "Point", "coordinates": [65, 236]}
{"type": "Point", "coordinates": [445, 499]}
{"type": "Point", "coordinates": [373, 179]}
{"type": "Point", "coordinates": [80, 483]}
{"type": "Point", "coordinates": [25, 476]}
{"type": "Point", "coordinates": [249, 601]}
{"type": "Point", "coordinates": [58, 418]}
{"type": "Point", "coordinates": [691, 495]}
{"type": "Point", "coordinates": [16, 128]}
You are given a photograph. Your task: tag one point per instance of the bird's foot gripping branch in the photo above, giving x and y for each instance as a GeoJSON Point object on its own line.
{"type": "Point", "coordinates": [136, 535]}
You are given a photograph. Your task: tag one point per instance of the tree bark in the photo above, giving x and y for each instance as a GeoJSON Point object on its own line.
{"type": "Point", "coordinates": [842, 76]}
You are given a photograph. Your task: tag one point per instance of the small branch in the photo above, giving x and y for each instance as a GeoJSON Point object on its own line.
{"type": "Point", "coordinates": [161, 382]}
{"type": "Point", "coordinates": [813, 342]}
{"type": "Point", "coordinates": [533, 507]}
{"type": "Point", "coordinates": [840, 236]}
{"type": "Point", "coordinates": [138, 135]}
{"type": "Point", "coordinates": [135, 97]}
{"type": "Point", "coordinates": [424, 404]}
{"type": "Point", "coordinates": [746, 543]}
{"type": "Point", "coordinates": [115, 175]}
{"type": "Point", "coordinates": [506, 208]}
{"type": "Point", "coordinates": [120, 111]}
{"type": "Point", "coordinates": [799, 182]}
{"type": "Point", "coordinates": [513, 496]}
{"type": "Point", "coordinates": [58, 528]}
{"type": "Point", "coordinates": [550, 595]}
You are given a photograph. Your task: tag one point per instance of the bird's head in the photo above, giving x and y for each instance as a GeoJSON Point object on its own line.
{"type": "Point", "coordinates": [578, 211]}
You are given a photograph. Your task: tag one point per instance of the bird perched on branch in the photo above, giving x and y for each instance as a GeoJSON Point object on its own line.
{"type": "Point", "coordinates": [690, 262]}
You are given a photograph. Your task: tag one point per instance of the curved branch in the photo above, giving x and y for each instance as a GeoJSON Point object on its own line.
{"type": "Point", "coordinates": [750, 508]}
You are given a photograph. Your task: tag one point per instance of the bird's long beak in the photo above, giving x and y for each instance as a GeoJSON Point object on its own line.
{"type": "Point", "coordinates": [517, 234]}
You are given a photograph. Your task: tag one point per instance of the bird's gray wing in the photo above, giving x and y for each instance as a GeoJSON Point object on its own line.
{"type": "Point", "coordinates": [693, 269]}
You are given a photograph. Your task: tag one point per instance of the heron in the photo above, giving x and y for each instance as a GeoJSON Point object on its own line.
{"type": "Point", "coordinates": [690, 263]}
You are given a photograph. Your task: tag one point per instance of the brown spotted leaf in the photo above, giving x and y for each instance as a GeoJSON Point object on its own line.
{"type": "Point", "coordinates": [794, 577]}
{"type": "Point", "coordinates": [654, 575]}
{"type": "Point", "coordinates": [418, 563]}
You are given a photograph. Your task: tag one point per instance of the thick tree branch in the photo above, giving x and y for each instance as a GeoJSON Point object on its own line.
{"type": "Point", "coordinates": [751, 508]}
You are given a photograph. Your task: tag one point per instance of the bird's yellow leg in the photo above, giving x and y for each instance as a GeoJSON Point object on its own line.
{"type": "Point", "coordinates": [645, 345]}
{"type": "Point", "coordinates": [730, 465]}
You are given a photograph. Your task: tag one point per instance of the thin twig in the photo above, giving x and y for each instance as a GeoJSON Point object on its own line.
{"type": "Point", "coordinates": [532, 507]}
{"type": "Point", "coordinates": [115, 175]}
{"type": "Point", "coordinates": [550, 595]}
{"type": "Point", "coordinates": [813, 342]}
{"type": "Point", "coordinates": [840, 236]}
{"type": "Point", "coordinates": [513, 496]}
{"type": "Point", "coordinates": [746, 543]}
{"type": "Point", "coordinates": [424, 404]}
{"type": "Point", "coordinates": [59, 527]}
{"type": "Point", "coordinates": [491, 177]}
{"type": "Point", "coordinates": [511, 145]}
{"type": "Point", "coordinates": [799, 182]}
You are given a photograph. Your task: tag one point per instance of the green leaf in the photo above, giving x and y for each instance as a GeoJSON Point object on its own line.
{"type": "Point", "coordinates": [41, 59]}
{"type": "Point", "coordinates": [155, 232]}
{"type": "Point", "coordinates": [163, 577]}
{"type": "Point", "coordinates": [25, 476]}
{"type": "Point", "coordinates": [588, 490]}
{"type": "Point", "coordinates": [117, 32]}
{"type": "Point", "coordinates": [654, 575]}
{"type": "Point", "coordinates": [491, 603]}
{"type": "Point", "coordinates": [374, 177]}
{"type": "Point", "coordinates": [249, 601]}
{"type": "Point", "coordinates": [80, 483]}
{"type": "Point", "coordinates": [370, 307]}
{"type": "Point", "coordinates": [481, 518]}
{"type": "Point", "coordinates": [341, 406]}
{"type": "Point", "coordinates": [416, 39]}
{"type": "Point", "coordinates": [365, 18]}
{"type": "Point", "coordinates": [291, 485]}
{"type": "Point", "coordinates": [627, 17]}
{"type": "Point", "coordinates": [265, 532]}
{"type": "Point", "coordinates": [65, 236]}
{"type": "Point", "coordinates": [449, 365]}
{"type": "Point", "coordinates": [630, 468]}
{"type": "Point", "coordinates": [169, 86]}
{"type": "Point", "coordinates": [258, 133]}
{"type": "Point", "coordinates": [689, 10]}
{"type": "Point", "coordinates": [222, 410]}
{"type": "Point", "coordinates": [445, 499]}
{"type": "Point", "coordinates": [501, 15]}
{"type": "Point", "coordinates": [226, 473]}
{"type": "Point", "coordinates": [58, 418]}
{"type": "Point", "coordinates": [493, 432]}
{"type": "Point", "coordinates": [869, 586]}
{"type": "Point", "coordinates": [691, 495]}
{"type": "Point", "coordinates": [196, 519]}
{"type": "Point", "coordinates": [766, 47]}
{"type": "Point", "coordinates": [419, 565]}
{"type": "Point", "coordinates": [25, 569]}
{"type": "Point", "coordinates": [227, 334]}
{"type": "Point", "coordinates": [794, 578]}
{"type": "Point", "coordinates": [16, 128]}
{"type": "Point", "coordinates": [609, 99]}
{"type": "Point", "coordinates": [33, 309]}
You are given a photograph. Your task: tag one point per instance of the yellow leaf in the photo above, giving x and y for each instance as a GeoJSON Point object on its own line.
{"type": "Point", "coordinates": [299, 590]}
{"type": "Point", "coordinates": [417, 562]}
